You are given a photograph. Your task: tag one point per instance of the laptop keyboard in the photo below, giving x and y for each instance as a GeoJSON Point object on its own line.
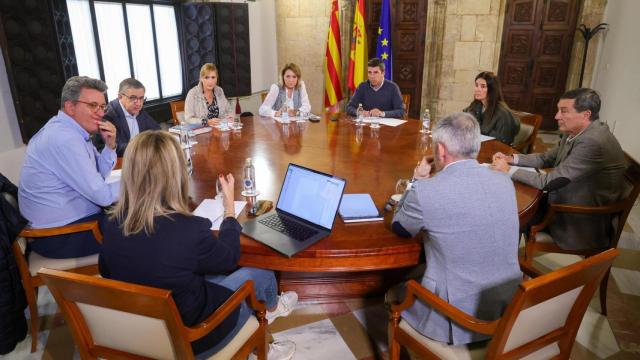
{"type": "Point", "coordinates": [288, 227]}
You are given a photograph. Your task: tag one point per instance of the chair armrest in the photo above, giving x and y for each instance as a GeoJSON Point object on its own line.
{"type": "Point", "coordinates": [244, 292]}
{"type": "Point", "coordinates": [613, 208]}
{"type": "Point", "coordinates": [62, 230]}
{"type": "Point", "coordinates": [415, 290]}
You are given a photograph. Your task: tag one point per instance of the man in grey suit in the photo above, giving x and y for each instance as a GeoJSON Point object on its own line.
{"type": "Point", "coordinates": [470, 218]}
{"type": "Point", "coordinates": [588, 169]}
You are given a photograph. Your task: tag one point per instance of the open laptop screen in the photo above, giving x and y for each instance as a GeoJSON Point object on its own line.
{"type": "Point", "coordinates": [311, 195]}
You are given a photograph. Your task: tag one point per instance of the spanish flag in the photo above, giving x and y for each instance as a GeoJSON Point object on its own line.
{"type": "Point", "coordinates": [332, 61]}
{"type": "Point", "coordinates": [358, 57]}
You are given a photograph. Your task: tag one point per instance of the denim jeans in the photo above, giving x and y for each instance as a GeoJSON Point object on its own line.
{"type": "Point", "coordinates": [266, 289]}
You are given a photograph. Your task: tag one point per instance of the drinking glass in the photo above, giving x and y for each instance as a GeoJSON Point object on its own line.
{"type": "Point", "coordinates": [237, 124]}
{"type": "Point", "coordinates": [224, 121]}
{"type": "Point", "coordinates": [219, 192]}
{"type": "Point", "coordinates": [375, 122]}
{"type": "Point", "coordinates": [302, 116]}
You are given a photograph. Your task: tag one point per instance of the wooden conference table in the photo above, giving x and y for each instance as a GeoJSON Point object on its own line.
{"type": "Point", "coordinates": [356, 259]}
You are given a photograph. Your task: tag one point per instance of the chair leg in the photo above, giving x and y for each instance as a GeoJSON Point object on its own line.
{"type": "Point", "coordinates": [394, 345]}
{"type": "Point", "coordinates": [603, 293]}
{"type": "Point", "coordinates": [32, 300]}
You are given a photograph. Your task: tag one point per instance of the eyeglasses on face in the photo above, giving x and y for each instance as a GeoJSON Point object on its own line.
{"type": "Point", "coordinates": [94, 106]}
{"type": "Point", "coordinates": [134, 98]}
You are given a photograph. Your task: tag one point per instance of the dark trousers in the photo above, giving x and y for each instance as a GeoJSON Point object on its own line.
{"type": "Point", "coordinates": [68, 245]}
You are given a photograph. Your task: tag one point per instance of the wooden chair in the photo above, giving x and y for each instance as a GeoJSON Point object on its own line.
{"type": "Point", "coordinates": [113, 319]}
{"type": "Point", "coordinates": [177, 111]}
{"type": "Point", "coordinates": [539, 241]}
{"type": "Point", "coordinates": [406, 103]}
{"type": "Point", "coordinates": [263, 95]}
{"type": "Point", "coordinates": [529, 126]}
{"type": "Point", "coordinates": [541, 321]}
{"type": "Point", "coordinates": [28, 266]}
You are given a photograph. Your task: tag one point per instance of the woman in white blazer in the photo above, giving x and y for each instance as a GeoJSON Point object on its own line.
{"type": "Point", "coordinates": [292, 92]}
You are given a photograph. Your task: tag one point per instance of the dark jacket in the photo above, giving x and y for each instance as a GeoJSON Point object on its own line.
{"type": "Point", "coordinates": [115, 115]}
{"type": "Point", "coordinates": [502, 125]}
{"type": "Point", "coordinates": [13, 324]}
{"type": "Point", "coordinates": [177, 256]}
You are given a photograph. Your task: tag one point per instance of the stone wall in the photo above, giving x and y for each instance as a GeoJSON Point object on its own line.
{"type": "Point", "coordinates": [591, 14]}
{"type": "Point", "coordinates": [463, 37]}
{"type": "Point", "coordinates": [468, 42]}
{"type": "Point", "coordinates": [302, 27]}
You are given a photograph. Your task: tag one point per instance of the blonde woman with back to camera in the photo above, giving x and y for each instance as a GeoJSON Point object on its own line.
{"type": "Point", "coordinates": [151, 238]}
{"type": "Point", "coordinates": [205, 103]}
{"type": "Point", "coordinates": [292, 93]}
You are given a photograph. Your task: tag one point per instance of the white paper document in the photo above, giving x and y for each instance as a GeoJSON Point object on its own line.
{"type": "Point", "coordinates": [291, 119]}
{"type": "Point", "coordinates": [485, 138]}
{"type": "Point", "coordinates": [386, 121]}
{"type": "Point", "coordinates": [114, 176]}
{"type": "Point", "coordinates": [213, 210]}
{"type": "Point", "coordinates": [519, 168]}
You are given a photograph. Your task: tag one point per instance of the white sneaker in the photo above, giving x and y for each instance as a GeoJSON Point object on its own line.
{"type": "Point", "coordinates": [286, 302]}
{"type": "Point", "coordinates": [278, 350]}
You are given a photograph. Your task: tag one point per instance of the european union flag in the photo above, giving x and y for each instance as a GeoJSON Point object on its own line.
{"type": "Point", "coordinates": [383, 45]}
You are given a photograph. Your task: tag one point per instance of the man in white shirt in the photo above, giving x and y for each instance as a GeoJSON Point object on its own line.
{"type": "Point", "coordinates": [127, 115]}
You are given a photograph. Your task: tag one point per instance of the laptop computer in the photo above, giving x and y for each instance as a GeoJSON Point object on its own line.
{"type": "Point", "coordinates": [304, 214]}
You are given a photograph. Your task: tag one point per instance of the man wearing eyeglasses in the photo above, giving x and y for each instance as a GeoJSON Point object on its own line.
{"type": "Point", "coordinates": [127, 115]}
{"type": "Point", "coordinates": [63, 174]}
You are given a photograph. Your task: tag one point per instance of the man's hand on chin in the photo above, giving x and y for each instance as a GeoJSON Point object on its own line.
{"type": "Point", "coordinates": [108, 132]}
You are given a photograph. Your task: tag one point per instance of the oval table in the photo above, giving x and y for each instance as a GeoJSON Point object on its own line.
{"type": "Point", "coordinates": [356, 259]}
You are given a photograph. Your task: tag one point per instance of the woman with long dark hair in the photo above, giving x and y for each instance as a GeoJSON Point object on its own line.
{"type": "Point", "coordinates": [490, 109]}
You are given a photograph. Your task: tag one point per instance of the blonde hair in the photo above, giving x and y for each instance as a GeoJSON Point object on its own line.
{"type": "Point", "coordinates": [207, 68]}
{"type": "Point", "coordinates": [296, 70]}
{"type": "Point", "coordinates": [154, 182]}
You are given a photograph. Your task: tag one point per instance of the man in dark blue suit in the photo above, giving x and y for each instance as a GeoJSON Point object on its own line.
{"type": "Point", "coordinates": [127, 115]}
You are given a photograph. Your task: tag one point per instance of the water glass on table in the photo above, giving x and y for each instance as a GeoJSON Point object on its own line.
{"type": "Point", "coordinates": [224, 121]}
{"type": "Point", "coordinates": [375, 122]}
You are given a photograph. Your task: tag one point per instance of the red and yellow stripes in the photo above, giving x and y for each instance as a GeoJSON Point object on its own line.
{"type": "Point", "coordinates": [358, 57]}
{"type": "Point", "coordinates": [333, 62]}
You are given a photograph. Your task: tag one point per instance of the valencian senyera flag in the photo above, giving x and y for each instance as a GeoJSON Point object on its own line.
{"type": "Point", "coordinates": [383, 45]}
{"type": "Point", "coordinates": [358, 54]}
{"type": "Point", "coordinates": [332, 61]}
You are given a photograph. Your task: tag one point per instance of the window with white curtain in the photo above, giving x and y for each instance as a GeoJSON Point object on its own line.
{"type": "Point", "coordinates": [115, 40]}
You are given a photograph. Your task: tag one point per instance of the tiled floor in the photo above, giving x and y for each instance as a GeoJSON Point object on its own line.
{"type": "Point", "coordinates": [357, 329]}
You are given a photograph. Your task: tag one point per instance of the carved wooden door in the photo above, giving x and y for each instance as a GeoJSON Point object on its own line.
{"type": "Point", "coordinates": [408, 22]}
{"type": "Point", "coordinates": [536, 47]}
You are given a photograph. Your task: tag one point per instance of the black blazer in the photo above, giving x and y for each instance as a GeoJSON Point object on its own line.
{"type": "Point", "coordinates": [115, 115]}
{"type": "Point", "coordinates": [177, 256]}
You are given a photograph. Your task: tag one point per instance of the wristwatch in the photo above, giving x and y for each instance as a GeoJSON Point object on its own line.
{"type": "Point", "coordinates": [383, 114]}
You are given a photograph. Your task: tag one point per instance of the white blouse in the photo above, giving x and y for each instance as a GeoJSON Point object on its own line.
{"type": "Point", "coordinates": [270, 99]}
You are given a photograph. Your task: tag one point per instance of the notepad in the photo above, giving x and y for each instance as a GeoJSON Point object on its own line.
{"type": "Point", "coordinates": [213, 210]}
{"type": "Point", "coordinates": [386, 121]}
{"type": "Point", "coordinates": [196, 129]}
{"type": "Point", "coordinates": [358, 208]}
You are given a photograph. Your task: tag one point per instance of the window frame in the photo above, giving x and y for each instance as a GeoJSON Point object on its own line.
{"type": "Point", "coordinates": [161, 99]}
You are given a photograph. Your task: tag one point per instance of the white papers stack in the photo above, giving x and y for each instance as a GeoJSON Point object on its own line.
{"type": "Point", "coordinates": [386, 121]}
{"type": "Point", "coordinates": [291, 118]}
{"type": "Point", "coordinates": [213, 210]}
{"type": "Point", "coordinates": [518, 168]}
